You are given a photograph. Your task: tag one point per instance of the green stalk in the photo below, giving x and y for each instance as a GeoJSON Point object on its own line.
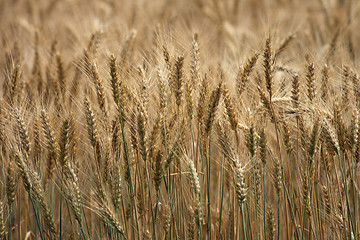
{"type": "Point", "coordinates": [10, 221]}
{"type": "Point", "coordinates": [169, 197]}
{"type": "Point", "coordinates": [291, 181]}
{"type": "Point", "coordinates": [19, 220]}
{"type": "Point", "coordinates": [347, 198]}
{"type": "Point", "coordinates": [208, 189]}
{"type": "Point", "coordinates": [86, 223]}
{"type": "Point", "coordinates": [221, 190]}
{"type": "Point", "coordinates": [150, 207]}
{"type": "Point", "coordinates": [156, 210]}
{"type": "Point", "coordinates": [316, 216]}
{"type": "Point", "coordinates": [202, 167]}
{"type": "Point", "coordinates": [305, 208]}
{"type": "Point", "coordinates": [82, 233]}
{"type": "Point", "coordinates": [37, 217]}
{"type": "Point", "coordinates": [249, 224]}
{"type": "Point", "coordinates": [127, 163]}
{"type": "Point", "coordinates": [355, 205]}
{"type": "Point", "coordinates": [256, 202]}
{"type": "Point", "coordinates": [278, 218]}
{"type": "Point", "coordinates": [243, 220]}
{"type": "Point", "coordinates": [65, 222]}
{"type": "Point", "coordinates": [353, 175]}
{"type": "Point", "coordinates": [264, 207]}
{"type": "Point", "coordinates": [291, 208]}
{"type": "Point", "coordinates": [289, 200]}
{"type": "Point", "coordinates": [61, 190]}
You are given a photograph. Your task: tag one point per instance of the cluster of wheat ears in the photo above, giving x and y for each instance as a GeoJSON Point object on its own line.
{"type": "Point", "coordinates": [165, 119]}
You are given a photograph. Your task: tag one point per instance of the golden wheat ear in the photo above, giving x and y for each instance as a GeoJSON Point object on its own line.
{"type": "Point", "coordinates": [244, 73]}
{"type": "Point", "coordinates": [10, 183]}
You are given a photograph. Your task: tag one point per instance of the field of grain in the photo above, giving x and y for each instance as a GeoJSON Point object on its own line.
{"type": "Point", "coordinates": [189, 119]}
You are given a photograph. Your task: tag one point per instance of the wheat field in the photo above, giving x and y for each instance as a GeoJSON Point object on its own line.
{"type": "Point", "coordinates": [189, 119]}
